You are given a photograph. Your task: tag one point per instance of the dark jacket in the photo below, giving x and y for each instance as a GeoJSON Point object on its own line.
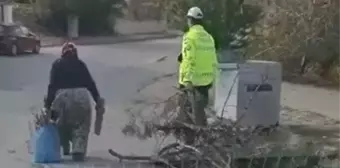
{"type": "Point", "coordinates": [70, 72]}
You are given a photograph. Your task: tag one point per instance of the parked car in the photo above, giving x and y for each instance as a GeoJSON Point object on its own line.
{"type": "Point", "coordinates": [15, 39]}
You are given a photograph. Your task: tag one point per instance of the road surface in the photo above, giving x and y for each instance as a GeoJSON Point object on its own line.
{"type": "Point", "coordinates": [120, 70]}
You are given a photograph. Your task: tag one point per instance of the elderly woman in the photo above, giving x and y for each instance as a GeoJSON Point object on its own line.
{"type": "Point", "coordinates": [68, 99]}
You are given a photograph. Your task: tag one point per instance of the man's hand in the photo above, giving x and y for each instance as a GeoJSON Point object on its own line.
{"type": "Point", "coordinates": [188, 85]}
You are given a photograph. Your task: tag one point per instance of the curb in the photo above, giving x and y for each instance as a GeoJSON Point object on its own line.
{"type": "Point", "coordinates": [115, 40]}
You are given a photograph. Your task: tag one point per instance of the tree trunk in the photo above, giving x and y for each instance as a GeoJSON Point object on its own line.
{"type": "Point", "coordinates": [326, 67]}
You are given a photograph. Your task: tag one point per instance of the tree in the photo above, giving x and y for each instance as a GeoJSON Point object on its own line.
{"type": "Point", "coordinates": [223, 18]}
{"type": "Point", "coordinates": [93, 15]}
{"type": "Point", "coordinates": [300, 34]}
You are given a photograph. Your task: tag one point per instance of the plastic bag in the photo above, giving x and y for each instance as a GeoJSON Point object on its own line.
{"type": "Point", "coordinates": [46, 145]}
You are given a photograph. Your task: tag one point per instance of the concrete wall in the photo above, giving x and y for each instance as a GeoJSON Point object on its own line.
{"type": "Point", "coordinates": [142, 10]}
{"type": "Point", "coordinates": [124, 26]}
{"type": "Point", "coordinates": [141, 16]}
{"type": "Point", "coordinates": [1, 19]}
{"type": "Point", "coordinates": [73, 26]}
{"type": "Point", "coordinates": [8, 13]}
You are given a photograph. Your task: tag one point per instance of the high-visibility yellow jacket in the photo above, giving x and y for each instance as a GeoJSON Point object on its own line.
{"type": "Point", "coordinates": [199, 60]}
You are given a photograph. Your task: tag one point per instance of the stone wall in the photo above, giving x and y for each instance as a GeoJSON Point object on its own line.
{"type": "Point", "coordinates": [142, 10]}
{"type": "Point", "coordinates": [141, 16]}
{"type": "Point", "coordinates": [125, 26]}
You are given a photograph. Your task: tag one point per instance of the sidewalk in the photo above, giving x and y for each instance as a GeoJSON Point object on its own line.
{"type": "Point", "coordinates": [96, 40]}
{"type": "Point", "coordinates": [310, 98]}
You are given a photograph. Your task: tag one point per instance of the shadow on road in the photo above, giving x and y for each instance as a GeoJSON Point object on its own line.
{"type": "Point", "coordinates": [326, 135]}
{"type": "Point", "coordinates": [24, 54]}
{"type": "Point", "coordinates": [98, 162]}
{"type": "Point", "coordinates": [19, 71]}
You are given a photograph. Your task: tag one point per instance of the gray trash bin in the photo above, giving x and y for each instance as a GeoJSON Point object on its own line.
{"type": "Point", "coordinates": [259, 91]}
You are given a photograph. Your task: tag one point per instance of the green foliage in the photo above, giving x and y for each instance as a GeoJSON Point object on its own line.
{"type": "Point", "coordinates": [222, 18]}
{"type": "Point", "coordinates": [302, 35]}
{"type": "Point", "coordinates": [93, 15]}
{"type": "Point", "coordinates": [22, 1]}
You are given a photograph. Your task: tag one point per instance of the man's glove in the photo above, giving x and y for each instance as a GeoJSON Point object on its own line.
{"type": "Point", "coordinates": [188, 85]}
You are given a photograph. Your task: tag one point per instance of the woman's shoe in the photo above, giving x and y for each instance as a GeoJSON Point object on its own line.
{"type": "Point", "coordinates": [66, 153]}
{"type": "Point", "coordinates": [66, 149]}
{"type": "Point", "coordinates": [78, 157]}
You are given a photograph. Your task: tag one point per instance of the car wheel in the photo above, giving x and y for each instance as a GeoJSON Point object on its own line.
{"type": "Point", "coordinates": [36, 49]}
{"type": "Point", "coordinates": [14, 50]}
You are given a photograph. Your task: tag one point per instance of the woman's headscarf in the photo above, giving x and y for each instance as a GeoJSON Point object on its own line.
{"type": "Point", "coordinates": [69, 50]}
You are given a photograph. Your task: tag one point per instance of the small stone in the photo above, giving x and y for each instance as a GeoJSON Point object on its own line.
{"type": "Point", "coordinates": [11, 151]}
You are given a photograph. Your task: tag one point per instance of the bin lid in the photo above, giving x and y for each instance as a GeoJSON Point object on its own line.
{"type": "Point", "coordinates": [228, 56]}
{"type": "Point", "coordinates": [261, 62]}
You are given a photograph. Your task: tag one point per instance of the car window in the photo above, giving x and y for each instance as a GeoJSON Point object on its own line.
{"type": "Point", "coordinates": [2, 30]}
{"type": "Point", "coordinates": [24, 30]}
{"type": "Point", "coordinates": [16, 31]}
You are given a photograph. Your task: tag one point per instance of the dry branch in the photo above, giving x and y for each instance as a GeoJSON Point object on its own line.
{"type": "Point", "coordinates": [213, 145]}
{"type": "Point", "coordinates": [303, 35]}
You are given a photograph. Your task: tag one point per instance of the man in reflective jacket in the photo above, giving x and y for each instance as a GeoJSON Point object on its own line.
{"type": "Point", "coordinates": [197, 65]}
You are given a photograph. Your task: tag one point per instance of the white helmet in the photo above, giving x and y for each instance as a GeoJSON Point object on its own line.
{"type": "Point", "coordinates": [195, 12]}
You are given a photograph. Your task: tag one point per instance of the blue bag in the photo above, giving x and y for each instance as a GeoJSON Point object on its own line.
{"type": "Point", "coordinates": [46, 145]}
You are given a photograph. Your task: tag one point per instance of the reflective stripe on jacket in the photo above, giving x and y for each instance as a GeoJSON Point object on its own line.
{"type": "Point", "coordinates": [199, 60]}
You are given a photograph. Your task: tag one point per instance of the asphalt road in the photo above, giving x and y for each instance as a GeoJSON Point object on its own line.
{"type": "Point", "coordinates": [119, 70]}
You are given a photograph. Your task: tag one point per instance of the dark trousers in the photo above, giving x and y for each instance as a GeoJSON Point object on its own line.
{"type": "Point", "coordinates": [195, 101]}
